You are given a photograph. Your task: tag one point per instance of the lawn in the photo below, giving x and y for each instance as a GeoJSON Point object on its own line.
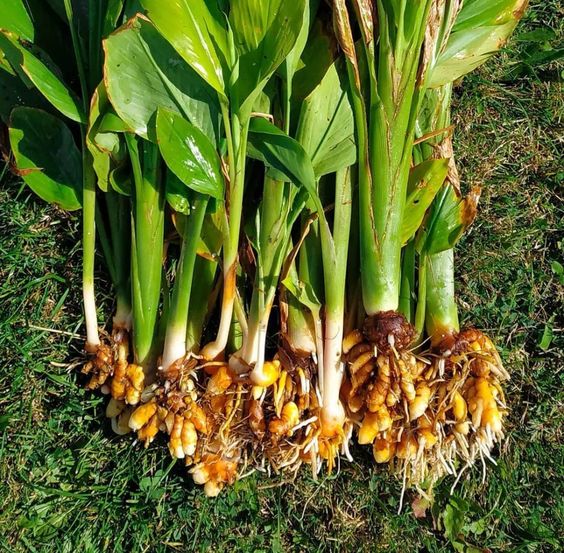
{"type": "Point", "coordinates": [69, 484]}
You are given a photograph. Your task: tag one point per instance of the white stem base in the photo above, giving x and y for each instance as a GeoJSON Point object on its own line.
{"type": "Point", "coordinates": [258, 352]}
{"type": "Point", "coordinates": [90, 316]}
{"type": "Point", "coordinates": [214, 349]}
{"type": "Point", "coordinates": [122, 320]}
{"type": "Point", "coordinates": [332, 411]}
{"type": "Point", "coordinates": [174, 347]}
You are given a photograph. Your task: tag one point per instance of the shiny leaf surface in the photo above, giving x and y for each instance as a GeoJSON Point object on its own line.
{"type": "Point", "coordinates": [196, 30]}
{"type": "Point", "coordinates": [42, 76]}
{"type": "Point", "coordinates": [143, 72]}
{"type": "Point", "coordinates": [189, 154]}
{"type": "Point", "coordinates": [46, 156]}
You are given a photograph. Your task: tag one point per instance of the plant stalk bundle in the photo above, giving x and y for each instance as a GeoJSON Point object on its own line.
{"type": "Point", "coordinates": [272, 192]}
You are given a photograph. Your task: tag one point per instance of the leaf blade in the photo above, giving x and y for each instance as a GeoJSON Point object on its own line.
{"type": "Point", "coordinates": [189, 154]}
{"type": "Point", "coordinates": [196, 33]}
{"type": "Point", "coordinates": [54, 173]}
{"type": "Point", "coordinates": [264, 34]}
{"type": "Point", "coordinates": [44, 79]}
{"type": "Point", "coordinates": [143, 72]}
{"type": "Point", "coordinates": [14, 18]}
{"type": "Point", "coordinates": [425, 180]}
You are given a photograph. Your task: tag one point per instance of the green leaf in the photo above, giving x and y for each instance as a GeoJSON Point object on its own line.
{"type": "Point", "coordinates": [111, 122]}
{"type": "Point", "coordinates": [450, 217]}
{"type": "Point", "coordinates": [303, 292]}
{"type": "Point", "coordinates": [4, 422]}
{"type": "Point", "coordinates": [44, 79]}
{"type": "Point", "coordinates": [315, 61]}
{"type": "Point", "coordinates": [177, 195]}
{"type": "Point", "coordinates": [143, 72]}
{"type": "Point", "coordinates": [290, 65]}
{"type": "Point", "coordinates": [105, 146]}
{"type": "Point", "coordinates": [547, 335]}
{"type": "Point", "coordinates": [476, 13]}
{"type": "Point", "coordinates": [326, 125]}
{"type": "Point", "coordinates": [47, 157]}
{"type": "Point", "coordinates": [121, 179]}
{"type": "Point", "coordinates": [482, 28]}
{"type": "Point", "coordinates": [425, 180]}
{"type": "Point", "coordinates": [453, 518]}
{"type": "Point", "coordinates": [111, 16]}
{"type": "Point", "coordinates": [284, 154]}
{"type": "Point", "coordinates": [196, 29]}
{"type": "Point", "coordinates": [543, 57]}
{"type": "Point", "coordinates": [101, 160]}
{"type": "Point", "coordinates": [189, 154]}
{"type": "Point", "coordinates": [543, 34]}
{"type": "Point", "coordinates": [558, 270]}
{"type": "Point", "coordinates": [264, 34]}
{"type": "Point", "coordinates": [14, 18]}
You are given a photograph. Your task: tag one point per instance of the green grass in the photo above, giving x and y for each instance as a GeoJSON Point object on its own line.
{"type": "Point", "coordinates": [69, 484]}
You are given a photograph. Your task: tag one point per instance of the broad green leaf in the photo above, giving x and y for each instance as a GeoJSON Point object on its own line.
{"type": "Point", "coordinates": [46, 156]}
{"type": "Point", "coordinates": [101, 160]}
{"type": "Point", "coordinates": [543, 34]}
{"type": "Point", "coordinates": [477, 13]}
{"type": "Point", "coordinates": [264, 34]}
{"type": "Point", "coordinates": [14, 18]}
{"type": "Point", "coordinates": [196, 29]}
{"type": "Point", "coordinates": [111, 122]}
{"type": "Point", "coordinates": [326, 126]}
{"type": "Point", "coordinates": [453, 518]}
{"type": "Point", "coordinates": [284, 154]}
{"type": "Point", "coordinates": [143, 72]}
{"type": "Point", "coordinates": [482, 27]}
{"type": "Point", "coordinates": [211, 239]}
{"type": "Point", "coordinates": [5, 64]}
{"type": "Point", "coordinates": [425, 180]}
{"type": "Point", "coordinates": [189, 154]}
{"type": "Point", "coordinates": [558, 270]}
{"type": "Point", "coordinates": [44, 79]}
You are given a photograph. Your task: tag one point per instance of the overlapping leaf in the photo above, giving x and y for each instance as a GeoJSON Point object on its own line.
{"type": "Point", "coordinates": [15, 19]}
{"type": "Point", "coordinates": [46, 156]}
{"type": "Point", "coordinates": [264, 34]}
{"type": "Point", "coordinates": [30, 66]}
{"type": "Point", "coordinates": [326, 126]}
{"type": "Point", "coordinates": [284, 154]}
{"type": "Point", "coordinates": [425, 180]}
{"type": "Point", "coordinates": [143, 72]}
{"type": "Point", "coordinates": [196, 29]}
{"type": "Point", "coordinates": [481, 29]}
{"type": "Point", "coordinates": [189, 154]}
{"type": "Point", "coordinates": [103, 143]}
